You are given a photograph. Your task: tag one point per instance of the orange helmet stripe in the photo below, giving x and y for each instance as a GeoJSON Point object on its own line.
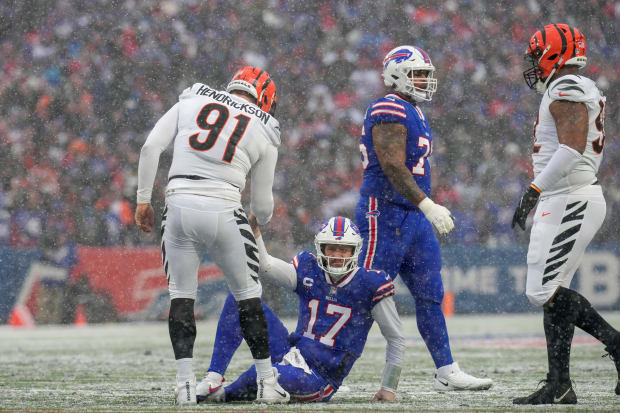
{"type": "Point", "coordinates": [260, 83]}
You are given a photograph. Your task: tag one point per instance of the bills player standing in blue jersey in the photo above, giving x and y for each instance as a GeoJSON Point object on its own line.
{"type": "Point", "coordinates": [395, 213]}
{"type": "Point", "coordinates": [338, 303]}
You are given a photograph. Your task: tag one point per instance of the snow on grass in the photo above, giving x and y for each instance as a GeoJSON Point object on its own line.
{"type": "Point", "coordinates": [130, 367]}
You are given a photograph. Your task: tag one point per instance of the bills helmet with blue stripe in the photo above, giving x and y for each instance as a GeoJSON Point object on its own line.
{"type": "Point", "coordinates": [399, 67]}
{"type": "Point", "coordinates": [338, 231]}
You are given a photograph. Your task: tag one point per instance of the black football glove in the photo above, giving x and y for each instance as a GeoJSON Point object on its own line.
{"type": "Point", "coordinates": [527, 202]}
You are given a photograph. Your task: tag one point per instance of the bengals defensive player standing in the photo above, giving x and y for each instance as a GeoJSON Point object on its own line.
{"type": "Point", "coordinates": [568, 147]}
{"type": "Point", "coordinates": [219, 137]}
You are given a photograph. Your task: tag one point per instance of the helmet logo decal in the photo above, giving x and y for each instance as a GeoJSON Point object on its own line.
{"type": "Point", "coordinates": [398, 56]}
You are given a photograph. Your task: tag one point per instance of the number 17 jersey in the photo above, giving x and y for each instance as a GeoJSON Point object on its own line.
{"type": "Point", "coordinates": [335, 318]}
{"type": "Point", "coordinates": [394, 109]}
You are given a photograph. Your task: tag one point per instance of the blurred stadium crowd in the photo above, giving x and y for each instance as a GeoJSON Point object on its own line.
{"type": "Point", "coordinates": [82, 84]}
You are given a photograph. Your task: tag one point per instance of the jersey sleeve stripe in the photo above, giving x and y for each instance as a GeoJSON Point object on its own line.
{"type": "Point", "coordinates": [392, 104]}
{"type": "Point", "coordinates": [318, 396]}
{"type": "Point", "coordinates": [572, 88]}
{"type": "Point", "coordinates": [385, 294]}
{"type": "Point", "coordinates": [417, 109]}
{"type": "Point", "coordinates": [386, 285]}
{"type": "Point", "coordinates": [388, 112]}
{"type": "Point", "coordinates": [296, 262]}
{"type": "Point", "coordinates": [372, 236]}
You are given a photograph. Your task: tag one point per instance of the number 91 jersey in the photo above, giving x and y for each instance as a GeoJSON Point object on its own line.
{"type": "Point", "coordinates": [572, 88]}
{"type": "Point", "coordinates": [334, 319]}
{"type": "Point", "coordinates": [393, 109]}
{"type": "Point", "coordinates": [220, 136]}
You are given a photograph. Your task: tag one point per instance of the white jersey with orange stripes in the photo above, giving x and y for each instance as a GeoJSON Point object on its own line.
{"type": "Point", "coordinates": [572, 88]}
{"type": "Point", "coordinates": [218, 138]}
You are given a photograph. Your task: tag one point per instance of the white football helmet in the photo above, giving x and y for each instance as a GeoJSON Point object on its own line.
{"type": "Point", "coordinates": [338, 231]}
{"type": "Point", "coordinates": [398, 67]}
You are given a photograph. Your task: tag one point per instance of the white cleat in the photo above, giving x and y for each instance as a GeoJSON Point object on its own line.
{"type": "Point", "coordinates": [209, 384]}
{"type": "Point", "coordinates": [185, 391]}
{"type": "Point", "coordinates": [270, 391]}
{"type": "Point", "coordinates": [218, 395]}
{"type": "Point", "coordinates": [450, 377]}
{"type": "Point", "coordinates": [210, 388]}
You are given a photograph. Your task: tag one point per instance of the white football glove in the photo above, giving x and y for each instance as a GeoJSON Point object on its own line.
{"type": "Point", "coordinates": [438, 215]}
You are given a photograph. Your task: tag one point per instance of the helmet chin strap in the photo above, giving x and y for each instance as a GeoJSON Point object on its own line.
{"type": "Point", "coordinates": [542, 87]}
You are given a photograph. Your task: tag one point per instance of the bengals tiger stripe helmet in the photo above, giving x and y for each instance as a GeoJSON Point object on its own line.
{"type": "Point", "coordinates": [257, 83]}
{"type": "Point", "coordinates": [551, 48]}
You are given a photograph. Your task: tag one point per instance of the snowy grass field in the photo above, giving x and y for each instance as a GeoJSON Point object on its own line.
{"type": "Point", "coordinates": [130, 367]}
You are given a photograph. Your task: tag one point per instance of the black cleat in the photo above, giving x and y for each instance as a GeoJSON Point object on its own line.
{"type": "Point", "coordinates": [613, 351]}
{"type": "Point", "coordinates": [550, 393]}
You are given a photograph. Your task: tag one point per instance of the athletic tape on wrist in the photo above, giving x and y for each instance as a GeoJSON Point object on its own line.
{"type": "Point", "coordinates": [426, 205]}
{"type": "Point", "coordinates": [391, 376]}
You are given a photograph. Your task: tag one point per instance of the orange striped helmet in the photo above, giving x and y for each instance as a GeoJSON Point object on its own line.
{"type": "Point", "coordinates": [551, 48]}
{"type": "Point", "coordinates": [257, 83]}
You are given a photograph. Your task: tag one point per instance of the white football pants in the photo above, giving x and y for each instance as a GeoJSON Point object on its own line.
{"type": "Point", "coordinates": [193, 225]}
{"type": "Point", "coordinates": [563, 227]}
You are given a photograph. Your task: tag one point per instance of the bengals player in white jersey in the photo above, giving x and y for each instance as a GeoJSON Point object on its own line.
{"type": "Point", "coordinates": [219, 136]}
{"type": "Point", "coordinates": [569, 139]}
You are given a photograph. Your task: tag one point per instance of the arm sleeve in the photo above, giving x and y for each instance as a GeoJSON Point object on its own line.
{"type": "Point", "coordinates": [278, 271]}
{"type": "Point", "coordinates": [562, 162]}
{"type": "Point", "coordinates": [160, 137]}
{"type": "Point", "coordinates": [386, 316]}
{"type": "Point", "coordinates": [261, 201]}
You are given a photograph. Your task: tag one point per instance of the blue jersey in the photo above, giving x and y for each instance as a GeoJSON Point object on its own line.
{"type": "Point", "coordinates": [393, 109]}
{"type": "Point", "coordinates": [334, 319]}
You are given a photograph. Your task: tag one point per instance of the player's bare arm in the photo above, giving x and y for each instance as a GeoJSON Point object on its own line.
{"type": "Point", "coordinates": [571, 122]}
{"type": "Point", "coordinates": [390, 142]}
{"type": "Point", "coordinates": [254, 225]}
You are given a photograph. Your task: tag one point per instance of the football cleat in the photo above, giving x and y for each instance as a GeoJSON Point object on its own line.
{"type": "Point", "coordinates": [613, 351]}
{"type": "Point", "coordinates": [215, 395]}
{"type": "Point", "coordinates": [185, 392]}
{"type": "Point", "coordinates": [209, 384]}
{"type": "Point", "coordinates": [451, 377]}
{"type": "Point", "coordinates": [270, 391]}
{"type": "Point", "coordinates": [550, 393]}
